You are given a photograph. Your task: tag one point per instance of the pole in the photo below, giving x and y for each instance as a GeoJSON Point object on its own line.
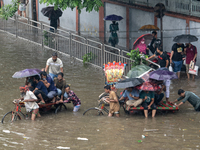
{"type": "Point", "coordinates": [161, 32]}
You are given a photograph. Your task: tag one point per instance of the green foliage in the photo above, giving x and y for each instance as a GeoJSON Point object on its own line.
{"type": "Point", "coordinates": [89, 5]}
{"type": "Point", "coordinates": [9, 10]}
{"type": "Point", "coordinates": [88, 57]}
{"type": "Point", "coordinates": [136, 56]}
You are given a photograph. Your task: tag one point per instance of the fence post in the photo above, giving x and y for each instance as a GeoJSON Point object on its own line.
{"type": "Point", "coordinates": [42, 33]}
{"type": "Point", "coordinates": [102, 56]}
{"type": "Point", "coordinates": [16, 26]}
{"type": "Point", "coordinates": [70, 43]}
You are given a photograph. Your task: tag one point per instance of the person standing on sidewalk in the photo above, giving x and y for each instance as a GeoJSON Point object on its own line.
{"type": "Point", "coordinates": [22, 7]}
{"type": "Point", "coordinates": [55, 66]}
{"type": "Point", "coordinates": [176, 57]}
{"type": "Point", "coordinates": [191, 55]}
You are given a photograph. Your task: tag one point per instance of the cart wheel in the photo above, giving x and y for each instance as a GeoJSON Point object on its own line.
{"type": "Point", "coordinates": [59, 108]}
{"type": "Point", "coordinates": [9, 117]}
{"type": "Point", "coordinates": [93, 112]}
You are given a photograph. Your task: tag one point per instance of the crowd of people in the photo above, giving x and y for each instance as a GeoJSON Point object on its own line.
{"type": "Point", "coordinates": [150, 99]}
{"type": "Point", "coordinates": [48, 88]}
{"type": "Point", "coordinates": [147, 99]}
{"type": "Point", "coordinates": [180, 54]}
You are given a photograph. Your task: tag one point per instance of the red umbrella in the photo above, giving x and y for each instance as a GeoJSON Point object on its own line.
{"type": "Point", "coordinates": [148, 86]}
{"type": "Point", "coordinates": [147, 37]}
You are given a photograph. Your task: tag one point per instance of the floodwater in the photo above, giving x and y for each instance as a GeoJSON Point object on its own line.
{"type": "Point", "coordinates": [179, 130]}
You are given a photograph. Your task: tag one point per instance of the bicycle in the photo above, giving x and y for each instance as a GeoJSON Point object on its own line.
{"type": "Point", "coordinates": [97, 111]}
{"type": "Point", "coordinates": [12, 116]}
{"type": "Point", "coordinates": [101, 109]}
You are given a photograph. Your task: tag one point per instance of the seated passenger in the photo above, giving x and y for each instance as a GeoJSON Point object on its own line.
{"type": "Point", "coordinates": [30, 102]}
{"type": "Point", "coordinates": [148, 102]}
{"type": "Point", "coordinates": [71, 96]}
{"type": "Point", "coordinates": [159, 95]}
{"type": "Point", "coordinates": [60, 84]}
{"type": "Point", "coordinates": [40, 90]}
{"type": "Point", "coordinates": [133, 97]}
{"type": "Point", "coordinates": [48, 82]}
{"type": "Point", "coordinates": [113, 101]}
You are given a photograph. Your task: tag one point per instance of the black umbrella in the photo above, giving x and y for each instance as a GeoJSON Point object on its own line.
{"type": "Point", "coordinates": [113, 18]}
{"type": "Point", "coordinates": [50, 12]}
{"type": "Point", "coordinates": [130, 82]}
{"type": "Point", "coordinates": [185, 38]}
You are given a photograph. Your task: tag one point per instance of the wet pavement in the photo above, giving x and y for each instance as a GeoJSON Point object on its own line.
{"type": "Point", "coordinates": [179, 130]}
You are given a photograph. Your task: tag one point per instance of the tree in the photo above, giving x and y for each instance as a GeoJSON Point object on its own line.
{"type": "Point", "coordinates": [89, 5]}
{"type": "Point", "coordinates": [9, 10]}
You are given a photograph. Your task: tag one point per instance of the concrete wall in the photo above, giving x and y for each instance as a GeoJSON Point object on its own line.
{"type": "Point", "coordinates": [195, 30]}
{"type": "Point", "coordinates": [171, 28]}
{"type": "Point", "coordinates": [89, 23]}
{"type": "Point", "coordinates": [138, 18]}
{"type": "Point", "coordinates": [117, 10]}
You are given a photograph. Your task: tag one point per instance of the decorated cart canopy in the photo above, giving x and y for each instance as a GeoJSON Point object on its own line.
{"type": "Point", "coordinates": [113, 72]}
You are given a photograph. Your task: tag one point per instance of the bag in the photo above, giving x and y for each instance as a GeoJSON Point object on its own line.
{"type": "Point", "coordinates": [191, 65]}
{"type": "Point", "coordinates": [170, 68]}
{"type": "Point", "coordinates": [194, 71]}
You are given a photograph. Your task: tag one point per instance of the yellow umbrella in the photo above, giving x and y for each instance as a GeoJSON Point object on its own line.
{"type": "Point", "coordinates": [149, 27]}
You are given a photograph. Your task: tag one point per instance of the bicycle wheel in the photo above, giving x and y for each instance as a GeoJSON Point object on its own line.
{"type": "Point", "coordinates": [93, 112]}
{"type": "Point", "coordinates": [20, 116]}
{"type": "Point", "coordinates": [9, 117]}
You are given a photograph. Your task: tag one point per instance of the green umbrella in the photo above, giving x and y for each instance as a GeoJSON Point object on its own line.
{"type": "Point", "coordinates": [139, 71]}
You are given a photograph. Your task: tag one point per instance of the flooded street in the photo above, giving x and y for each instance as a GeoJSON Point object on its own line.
{"type": "Point", "coordinates": [179, 130]}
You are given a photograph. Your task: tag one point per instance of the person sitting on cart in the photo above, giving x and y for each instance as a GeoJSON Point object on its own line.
{"type": "Point", "coordinates": [133, 97]}
{"type": "Point", "coordinates": [192, 98]}
{"type": "Point", "coordinates": [113, 101]}
{"type": "Point", "coordinates": [148, 102]}
{"type": "Point", "coordinates": [158, 95]}
{"type": "Point", "coordinates": [40, 90]}
{"type": "Point", "coordinates": [69, 96]}
{"type": "Point", "coordinates": [29, 100]}
{"type": "Point", "coordinates": [60, 84]}
{"type": "Point", "coordinates": [48, 82]}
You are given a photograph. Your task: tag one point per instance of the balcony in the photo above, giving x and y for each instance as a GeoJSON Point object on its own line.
{"type": "Point", "coordinates": [187, 7]}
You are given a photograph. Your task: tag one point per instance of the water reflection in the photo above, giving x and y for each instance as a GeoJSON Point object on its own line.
{"type": "Point", "coordinates": [178, 130]}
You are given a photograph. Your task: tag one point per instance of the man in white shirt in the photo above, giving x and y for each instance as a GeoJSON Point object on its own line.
{"type": "Point", "coordinates": [30, 101]}
{"type": "Point", "coordinates": [55, 66]}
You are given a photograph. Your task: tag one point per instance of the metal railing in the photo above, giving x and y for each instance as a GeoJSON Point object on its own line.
{"type": "Point", "coordinates": [64, 42]}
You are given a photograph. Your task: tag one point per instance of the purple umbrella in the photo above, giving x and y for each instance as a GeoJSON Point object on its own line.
{"type": "Point", "coordinates": [113, 18]}
{"type": "Point", "coordinates": [163, 75]}
{"type": "Point", "coordinates": [26, 73]}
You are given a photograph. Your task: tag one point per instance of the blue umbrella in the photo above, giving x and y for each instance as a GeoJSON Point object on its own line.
{"type": "Point", "coordinates": [113, 18]}
{"type": "Point", "coordinates": [26, 73]}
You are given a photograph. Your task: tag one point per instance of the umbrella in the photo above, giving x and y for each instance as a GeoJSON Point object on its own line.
{"type": "Point", "coordinates": [149, 27]}
{"type": "Point", "coordinates": [147, 37]}
{"type": "Point", "coordinates": [130, 82]}
{"type": "Point", "coordinates": [113, 18]}
{"type": "Point", "coordinates": [50, 12]}
{"type": "Point", "coordinates": [163, 75]}
{"type": "Point", "coordinates": [139, 71]}
{"type": "Point", "coordinates": [185, 38]}
{"type": "Point", "coordinates": [26, 73]}
{"type": "Point", "coordinates": [148, 86]}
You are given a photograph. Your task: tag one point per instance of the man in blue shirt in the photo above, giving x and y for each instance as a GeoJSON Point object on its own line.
{"type": "Point", "coordinates": [48, 82]}
{"type": "Point", "coordinates": [133, 97]}
{"type": "Point", "coordinates": [40, 90]}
